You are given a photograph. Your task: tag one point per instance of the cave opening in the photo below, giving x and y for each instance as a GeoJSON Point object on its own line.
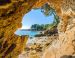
{"type": "Point", "coordinates": [40, 25]}
{"type": "Point", "coordinates": [39, 22]}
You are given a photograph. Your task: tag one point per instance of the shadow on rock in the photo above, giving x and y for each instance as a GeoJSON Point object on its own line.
{"type": "Point", "coordinates": [67, 56]}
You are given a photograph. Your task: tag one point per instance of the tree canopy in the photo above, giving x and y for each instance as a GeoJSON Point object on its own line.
{"type": "Point", "coordinates": [48, 11]}
{"type": "Point", "coordinates": [40, 27]}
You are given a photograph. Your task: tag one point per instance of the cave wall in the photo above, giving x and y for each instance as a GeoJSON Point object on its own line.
{"type": "Point", "coordinates": [64, 47]}
{"type": "Point", "coordinates": [10, 20]}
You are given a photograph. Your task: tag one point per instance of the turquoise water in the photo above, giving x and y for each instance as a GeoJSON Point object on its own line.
{"type": "Point", "coordinates": [25, 32]}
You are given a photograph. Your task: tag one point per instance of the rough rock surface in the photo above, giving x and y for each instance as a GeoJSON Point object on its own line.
{"type": "Point", "coordinates": [11, 13]}
{"type": "Point", "coordinates": [10, 20]}
{"type": "Point", "coordinates": [36, 48]}
{"type": "Point", "coordinates": [64, 47]}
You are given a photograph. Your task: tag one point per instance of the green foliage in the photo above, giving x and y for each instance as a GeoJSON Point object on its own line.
{"type": "Point", "coordinates": [47, 11]}
{"type": "Point", "coordinates": [37, 27]}
{"type": "Point", "coordinates": [41, 27]}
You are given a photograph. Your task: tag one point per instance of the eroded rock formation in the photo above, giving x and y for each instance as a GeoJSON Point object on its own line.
{"type": "Point", "coordinates": [11, 13]}
{"type": "Point", "coordinates": [10, 20]}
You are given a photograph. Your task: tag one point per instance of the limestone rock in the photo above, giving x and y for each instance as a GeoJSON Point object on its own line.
{"type": "Point", "coordinates": [11, 13]}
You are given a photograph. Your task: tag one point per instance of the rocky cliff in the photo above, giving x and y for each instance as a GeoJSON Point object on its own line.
{"type": "Point", "coordinates": [11, 13]}
{"type": "Point", "coordinates": [10, 20]}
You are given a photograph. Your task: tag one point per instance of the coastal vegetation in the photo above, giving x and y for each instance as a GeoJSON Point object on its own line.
{"type": "Point", "coordinates": [49, 29]}
{"type": "Point", "coordinates": [47, 11]}
{"type": "Point", "coordinates": [40, 27]}
{"type": "Point", "coordinates": [44, 28]}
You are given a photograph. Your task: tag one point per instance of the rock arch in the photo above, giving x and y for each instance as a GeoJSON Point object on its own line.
{"type": "Point", "coordinates": [11, 15]}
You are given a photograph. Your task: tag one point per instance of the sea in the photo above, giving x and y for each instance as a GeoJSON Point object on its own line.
{"type": "Point", "coordinates": [27, 32]}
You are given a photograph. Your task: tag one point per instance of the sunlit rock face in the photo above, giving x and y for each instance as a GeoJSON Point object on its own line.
{"type": "Point", "coordinates": [64, 47]}
{"type": "Point", "coordinates": [11, 13]}
{"type": "Point", "coordinates": [10, 20]}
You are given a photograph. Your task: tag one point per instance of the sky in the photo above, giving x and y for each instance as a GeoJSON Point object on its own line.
{"type": "Point", "coordinates": [35, 17]}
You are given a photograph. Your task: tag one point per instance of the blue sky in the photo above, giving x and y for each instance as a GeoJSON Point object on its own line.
{"type": "Point", "coordinates": [35, 17]}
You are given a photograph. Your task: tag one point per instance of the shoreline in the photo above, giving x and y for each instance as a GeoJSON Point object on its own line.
{"type": "Point", "coordinates": [30, 30]}
{"type": "Point", "coordinates": [36, 46]}
{"type": "Point", "coordinates": [34, 39]}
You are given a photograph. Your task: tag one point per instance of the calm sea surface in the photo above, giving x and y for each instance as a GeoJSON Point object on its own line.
{"type": "Point", "coordinates": [25, 32]}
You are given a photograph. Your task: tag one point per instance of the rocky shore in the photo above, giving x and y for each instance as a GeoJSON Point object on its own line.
{"type": "Point", "coordinates": [37, 45]}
